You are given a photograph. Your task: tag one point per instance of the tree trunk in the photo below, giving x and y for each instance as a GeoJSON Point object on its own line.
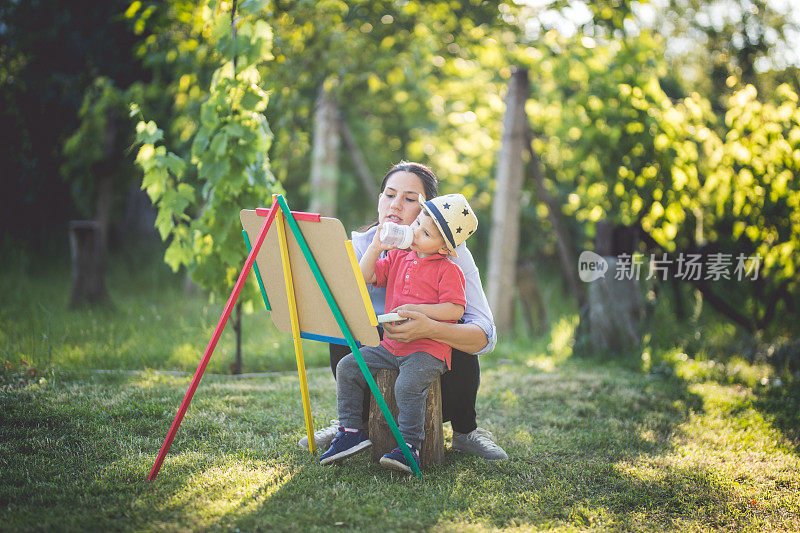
{"type": "Point", "coordinates": [530, 296]}
{"type": "Point", "coordinates": [88, 263]}
{"type": "Point", "coordinates": [359, 162]}
{"type": "Point", "coordinates": [105, 198]}
{"type": "Point", "coordinates": [383, 441]}
{"type": "Point", "coordinates": [325, 155]}
{"type": "Point", "coordinates": [566, 250]}
{"type": "Point", "coordinates": [236, 366]}
{"type": "Point", "coordinates": [139, 218]}
{"type": "Point", "coordinates": [504, 236]}
{"type": "Point", "coordinates": [105, 178]}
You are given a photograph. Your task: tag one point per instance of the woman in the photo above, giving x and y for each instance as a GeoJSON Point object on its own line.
{"type": "Point", "coordinates": [475, 335]}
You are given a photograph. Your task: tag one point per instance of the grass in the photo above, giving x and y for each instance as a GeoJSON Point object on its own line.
{"type": "Point", "coordinates": [153, 322]}
{"type": "Point", "coordinates": [668, 439]}
{"type": "Point", "coordinates": [591, 447]}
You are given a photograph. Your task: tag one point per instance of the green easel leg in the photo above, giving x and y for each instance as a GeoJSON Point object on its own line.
{"type": "Point", "coordinates": [255, 269]}
{"type": "Point", "coordinates": [298, 235]}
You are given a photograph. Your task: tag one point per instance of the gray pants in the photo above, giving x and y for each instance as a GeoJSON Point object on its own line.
{"type": "Point", "coordinates": [417, 371]}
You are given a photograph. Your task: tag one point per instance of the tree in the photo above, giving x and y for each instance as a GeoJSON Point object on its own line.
{"type": "Point", "coordinates": [617, 148]}
{"type": "Point", "coordinates": [324, 178]}
{"type": "Point", "coordinates": [504, 240]}
{"type": "Point", "coordinates": [51, 51]}
{"type": "Point", "coordinates": [743, 40]}
{"type": "Point", "coordinates": [95, 168]}
{"type": "Point", "coordinates": [199, 211]}
{"type": "Point", "coordinates": [393, 64]}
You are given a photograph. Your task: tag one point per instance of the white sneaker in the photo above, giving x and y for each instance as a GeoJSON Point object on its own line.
{"type": "Point", "coordinates": [322, 437]}
{"type": "Point", "coordinates": [479, 443]}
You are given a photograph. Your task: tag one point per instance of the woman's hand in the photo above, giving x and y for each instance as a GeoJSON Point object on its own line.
{"type": "Point", "coordinates": [416, 326]}
{"type": "Point", "coordinates": [469, 338]}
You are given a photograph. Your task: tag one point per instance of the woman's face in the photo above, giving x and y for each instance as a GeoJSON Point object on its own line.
{"type": "Point", "coordinates": [399, 201]}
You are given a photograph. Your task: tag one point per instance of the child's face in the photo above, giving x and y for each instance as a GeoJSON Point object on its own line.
{"type": "Point", "coordinates": [427, 238]}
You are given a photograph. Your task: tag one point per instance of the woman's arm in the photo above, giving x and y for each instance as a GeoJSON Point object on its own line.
{"type": "Point", "coordinates": [477, 312]}
{"type": "Point", "coordinates": [469, 338]}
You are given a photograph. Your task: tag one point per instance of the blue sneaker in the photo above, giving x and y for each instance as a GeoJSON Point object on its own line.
{"type": "Point", "coordinates": [345, 444]}
{"type": "Point", "coordinates": [397, 461]}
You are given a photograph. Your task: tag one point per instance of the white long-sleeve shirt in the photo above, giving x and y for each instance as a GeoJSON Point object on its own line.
{"type": "Point", "coordinates": [477, 309]}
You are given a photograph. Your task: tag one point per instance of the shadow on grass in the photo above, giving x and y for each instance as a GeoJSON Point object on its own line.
{"type": "Point", "coordinates": [587, 448]}
{"type": "Point", "coordinates": [782, 405]}
{"type": "Point", "coordinates": [590, 446]}
{"type": "Point", "coordinates": [71, 455]}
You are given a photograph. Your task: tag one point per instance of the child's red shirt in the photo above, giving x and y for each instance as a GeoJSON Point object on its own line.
{"type": "Point", "coordinates": [410, 279]}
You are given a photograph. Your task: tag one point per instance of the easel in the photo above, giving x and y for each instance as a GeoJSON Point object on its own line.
{"type": "Point", "coordinates": [280, 214]}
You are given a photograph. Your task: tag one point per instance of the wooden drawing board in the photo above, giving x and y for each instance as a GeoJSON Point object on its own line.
{"type": "Point", "coordinates": [326, 240]}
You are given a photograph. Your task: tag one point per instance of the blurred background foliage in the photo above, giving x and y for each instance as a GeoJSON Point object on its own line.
{"type": "Point", "coordinates": [676, 117]}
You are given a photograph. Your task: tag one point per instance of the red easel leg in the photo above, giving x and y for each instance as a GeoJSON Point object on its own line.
{"type": "Point", "coordinates": [213, 342]}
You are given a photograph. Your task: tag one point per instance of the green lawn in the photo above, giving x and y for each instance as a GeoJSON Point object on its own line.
{"type": "Point", "coordinates": [658, 441]}
{"type": "Point", "coordinates": [590, 447]}
{"type": "Point", "coordinates": [152, 322]}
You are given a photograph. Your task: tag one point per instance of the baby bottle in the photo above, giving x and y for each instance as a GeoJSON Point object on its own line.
{"type": "Point", "coordinates": [396, 235]}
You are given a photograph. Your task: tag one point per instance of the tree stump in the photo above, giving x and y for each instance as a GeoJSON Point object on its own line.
{"type": "Point", "coordinates": [383, 441]}
{"type": "Point", "coordinates": [88, 263]}
{"type": "Point", "coordinates": [615, 305]}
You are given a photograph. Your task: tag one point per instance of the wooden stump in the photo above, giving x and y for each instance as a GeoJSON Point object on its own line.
{"type": "Point", "coordinates": [383, 441]}
{"type": "Point", "coordinates": [616, 308]}
{"type": "Point", "coordinates": [88, 263]}
{"type": "Point", "coordinates": [615, 311]}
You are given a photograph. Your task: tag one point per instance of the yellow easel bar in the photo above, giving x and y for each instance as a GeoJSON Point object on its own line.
{"type": "Point", "coordinates": [298, 347]}
{"type": "Point", "coordinates": [362, 286]}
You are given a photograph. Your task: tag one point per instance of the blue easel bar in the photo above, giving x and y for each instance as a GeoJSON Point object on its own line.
{"type": "Point", "coordinates": [325, 338]}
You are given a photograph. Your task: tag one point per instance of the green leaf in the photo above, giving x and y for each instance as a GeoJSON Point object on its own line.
{"type": "Point", "coordinates": [208, 115]}
{"type": "Point", "coordinates": [251, 101]}
{"type": "Point", "coordinates": [148, 132]}
{"type": "Point", "coordinates": [200, 143]}
{"type": "Point", "coordinates": [175, 164]}
{"type": "Point", "coordinates": [176, 255]}
{"type": "Point", "coordinates": [154, 182]}
{"type": "Point", "coordinates": [164, 223]}
{"type": "Point", "coordinates": [219, 144]}
{"type": "Point", "coordinates": [234, 129]}
{"type": "Point", "coordinates": [215, 170]}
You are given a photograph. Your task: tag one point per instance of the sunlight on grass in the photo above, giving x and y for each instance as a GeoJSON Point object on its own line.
{"type": "Point", "coordinates": [678, 441]}
{"type": "Point", "coordinates": [225, 490]}
{"type": "Point", "coordinates": [729, 447]}
{"type": "Point", "coordinates": [521, 435]}
{"type": "Point", "coordinates": [184, 355]}
{"type": "Point", "coordinates": [148, 379]}
{"type": "Point", "coordinates": [542, 353]}
{"type": "Point", "coordinates": [591, 447]}
{"type": "Point", "coordinates": [542, 363]}
{"type": "Point", "coordinates": [562, 336]}
{"type": "Point", "coordinates": [509, 398]}
{"type": "Point", "coordinates": [153, 322]}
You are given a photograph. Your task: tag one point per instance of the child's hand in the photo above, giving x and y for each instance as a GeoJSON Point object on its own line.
{"type": "Point", "coordinates": [376, 241]}
{"type": "Point", "coordinates": [405, 307]}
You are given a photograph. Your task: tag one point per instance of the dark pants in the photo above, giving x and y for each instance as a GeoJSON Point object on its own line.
{"type": "Point", "coordinates": [459, 388]}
